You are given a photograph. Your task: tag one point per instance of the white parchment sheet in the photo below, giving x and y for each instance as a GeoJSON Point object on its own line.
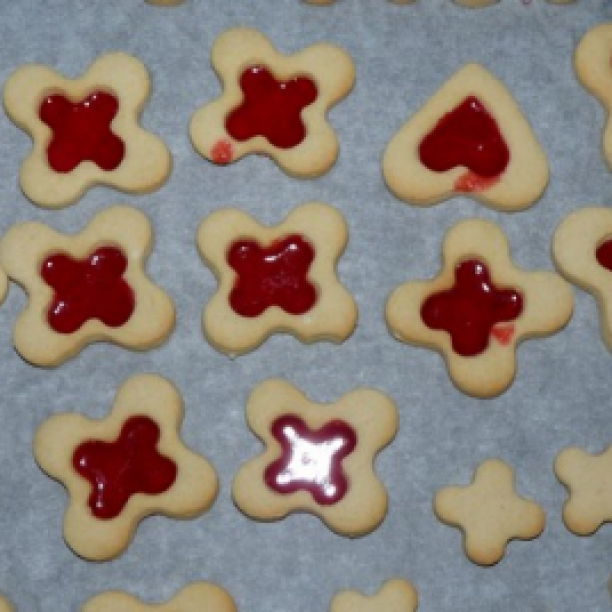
{"type": "Point", "coordinates": [562, 394]}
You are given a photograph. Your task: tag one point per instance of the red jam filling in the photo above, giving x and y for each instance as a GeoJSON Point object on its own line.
{"type": "Point", "coordinates": [271, 108]}
{"type": "Point", "coordinates": [467, 136]}
{"type": "Point", "coordinates": [92, 288]}
{"type": "Point", "coordinates": [117, 470]}
{"type": "Point", "coordinates": [311, 460]}
{"type": "Point", "coordinates": [604, 254]}
{"type": "Point", "coordinates": [472, 309]}
{"type": "Point", "coordinates": [276, 275]}
{"type": "Point", "coordinates": [82, 131]}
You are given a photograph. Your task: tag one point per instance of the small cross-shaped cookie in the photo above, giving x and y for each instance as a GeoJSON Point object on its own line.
{"type": "Point", "coordinates": [396, 595]}
{"type": "Point", "coordinates": [489, 512]}
{"type": "Point", "coordinates": [588, 478]}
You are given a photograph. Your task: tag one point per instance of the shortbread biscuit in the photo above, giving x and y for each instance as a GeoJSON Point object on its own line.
{"type": "Point", "coordinates": [6, 605]}
{"type": "Point", "coordinates": [469, 139]}
{"type": "Point", "coordinates": [479, 308]}
{"type": "Point", "coordinates": [196, 597]}
{"type": "Point", "coordinates": [273, 104]}
{"type": "Point", "coordinates": [582, 252]}
{"type": "Point", "coordinates": [165, 2]}
{"type": "Point", "coordinates": [275, 279]}
{"type": "Point", "coordinates": [86, 287]}
{"type": "Point", "coordinates": [318, 458]}
{"type": "Point", "coordinates": [588, 478]}
{"type": "Point", "coordinates": [326, 2]}
{"type": "Point", "coordinates": [485, 3]}
{"type": "Point", "coordinates": [593, 69]}
{"type": "Point", "coordinates": [125, 467]}
{"type": "Point", "coordinates": [489, 512]}
{"type": "Point", "coordinates": [85, 131]}
{"type": "Point", "coordinates": [396, 595]}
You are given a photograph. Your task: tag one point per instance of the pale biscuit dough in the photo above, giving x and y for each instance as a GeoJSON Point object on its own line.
{"type": "Point", "coordinates": [396, 595]}
{"type": "Point", "coordinates": [334, 314]}
{"type": "Point", "coordinates": [24, 247]}
{"type": "Point", "coordinates": [196, 597]}
{"type": "Point", "coordinates": [588, 478]}
{"type": "Point", "coordinates": [374, 419]}
{"type": "Point", "coordinates": [484, 3]}
{"type": "Point", "coordinates": [521, 183]}
{"type": "Point", "coordinates": [192, 492]}
{"type": "Point", "coordinates": [6, 605]}
{"type": "Point", "coordinates": [592, 67]}
{"type": "Point", "coordinates": [574, 246]}
{"type": "Point", "coordinates": [489, 512]}
{"type": "Point", "coordinates": [465, 3]}
{"type": "Point", "coordinates": [547, 307]}
{"type": "Point", "coordinates": [146, 164]}
{"type": "Point", "coordinates": [326, 2]}
{"type": "Point", "coordinates": [333, 73]}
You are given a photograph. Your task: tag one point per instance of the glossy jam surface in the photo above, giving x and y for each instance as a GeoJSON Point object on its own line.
{"type": "Point", "coordinates": [276, 275]}
{"type": "Point", "coordinates": [604, 254]}
{"type": "Point", "coordinates": [117, 470]}
{"type": "Point", "coordinates": [473, 309]}
{"type": "Point", "coordinates": [311, 460]}
{"type": "Point", "coordinates": [92, 288]}
{"type": "Point", "coordinates": [467, 136]}
{"type": "Point", "coordinates": [82, 131]}
{"type": "Point", "coordinates": [271, 108]}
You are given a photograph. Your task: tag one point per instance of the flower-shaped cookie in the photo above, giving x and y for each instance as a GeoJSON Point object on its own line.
{"type": "Point", "coordinates": [85, 131]}
{"type": "Point", "coordinates": [489, 512]}
{"type": "Point", "coordinates": [395, 596]}
{"type": "Point", "coordinates": [588, 478]}
{"type": "Point", "coordinates": [275, 279]}
{"type": "Point", "coordinates": [318, 458]}
{"type": "Point", "coordinates": [86, 287]}
{"type": "Point", "coordinates": [196, 597]}
{"type": "Point", "coordinates": [469, 139]}
{"type": "Point", "coordinates": [593, 69]}
{"type": "Point", "coordinates": [125, 467]}
{"type": "Point", "coordinates": [273, 104]}
{"type": "Point", "coordinates": [582, 251]}
{"type": "Point", "coordinates": [478, 309]}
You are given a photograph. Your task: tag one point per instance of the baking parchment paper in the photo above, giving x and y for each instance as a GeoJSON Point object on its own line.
{"type": "Point", "coordinates": [562, 392]}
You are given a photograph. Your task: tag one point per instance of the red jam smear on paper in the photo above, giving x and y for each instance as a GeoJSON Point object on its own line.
{"type": "Point", "coordinates": [117, 470]}
{"type": "Point", "coordinates": [311, 460]}
{"type": "Point", "coordinates": [467, 136]}
{"type": "Point", "coordinates": [473, 309]}
{"type": "Point", "coordinates": [276, 275]}
{"type": "Point", "coordinates": [82, 131]}
{"type": "Point", "coordinates": [271, 108]}
{"type": "Point", "coordinates": [92, 288]}
{"type": "Point", "coordinates": [604, 254]}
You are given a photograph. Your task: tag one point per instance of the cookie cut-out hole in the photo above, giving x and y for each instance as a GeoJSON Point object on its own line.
{"type": "Point", "coordinates": [82, 131]}
{"type": "Point", "coordinates": [276, 275]}
{"type": "Point", "coordinates": [92, 288]}
{"type": "Point", "coordinates": [117, 470]}
{"type": "Point", "coordinates": [467, 136]}
{"type": "Point", "coordinates": [271, 108]}
{"type": "Point", "coordinates": [311, 460]}
{"type": "Point", "coordinates": [470, 310]}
